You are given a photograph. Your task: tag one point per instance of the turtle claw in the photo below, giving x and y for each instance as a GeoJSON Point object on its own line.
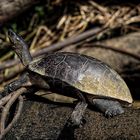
{"type": "Point", "coordinates": [112, 111]}
{"type": "Point", "coordinates": [76, 122]}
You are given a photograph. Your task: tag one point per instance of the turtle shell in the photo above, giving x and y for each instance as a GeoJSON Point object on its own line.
{"type": "Point", "coordinates": [87, 74]}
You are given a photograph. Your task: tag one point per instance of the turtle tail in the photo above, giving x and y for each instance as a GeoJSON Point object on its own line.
{"type": "Point", "coordinates": [20, 47]}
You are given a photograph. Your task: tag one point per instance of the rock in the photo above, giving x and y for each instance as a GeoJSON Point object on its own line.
{"type": "Point", "coordinates": [46, 121]}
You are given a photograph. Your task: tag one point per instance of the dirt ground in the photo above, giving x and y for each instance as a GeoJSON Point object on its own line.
{"type": "Point", "coordinates": [46, 121]}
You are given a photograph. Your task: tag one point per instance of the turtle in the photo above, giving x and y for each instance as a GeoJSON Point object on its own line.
{"type": "Point", "coordinates": [89, 80]}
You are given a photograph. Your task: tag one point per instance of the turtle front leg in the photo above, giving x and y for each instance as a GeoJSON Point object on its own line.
{"type": "Point", "coordinates": [14, 85]}
{"type": "Point", "coordinates": [108, 107]}
{"type": "Point", "coordinates": [26, 80]}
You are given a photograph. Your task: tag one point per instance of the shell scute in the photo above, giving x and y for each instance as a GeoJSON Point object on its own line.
{"type": "Point", "coordinates": [86, 74]}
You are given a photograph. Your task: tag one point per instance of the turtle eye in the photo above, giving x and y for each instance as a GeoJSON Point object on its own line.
{"type": "Point", "coordinates": [17, 38]}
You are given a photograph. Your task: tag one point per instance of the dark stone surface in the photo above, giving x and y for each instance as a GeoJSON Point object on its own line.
{"type": "Point", "coordinates": [46, 121]}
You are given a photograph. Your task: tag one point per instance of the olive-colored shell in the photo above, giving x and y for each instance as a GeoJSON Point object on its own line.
{"type": "Point", "coordinates": [84, 73]}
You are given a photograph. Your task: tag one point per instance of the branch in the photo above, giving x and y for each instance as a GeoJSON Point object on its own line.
{"type": "Point", "coordinates": [5, 99]}
{"type": "Point", "coordinates": [73, 40]}
{"type": "Point", "coordinates": [12, 8]}
{"type": "Point", "coordinates": [16, 117]}
{"type": "Point", "coordinates": [5, 111]}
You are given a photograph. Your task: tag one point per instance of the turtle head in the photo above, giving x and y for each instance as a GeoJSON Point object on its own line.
{"type": "Point", "coordinates": [20, 47]}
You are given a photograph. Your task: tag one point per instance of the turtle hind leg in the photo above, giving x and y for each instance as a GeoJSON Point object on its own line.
{"type": "Point", "coordinates": [108, 107]}
{"type": "Point", "coordinates": [76, 118]}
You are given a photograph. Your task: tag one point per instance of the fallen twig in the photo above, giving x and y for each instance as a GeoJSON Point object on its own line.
{"type": "Point", "coordinates": [6, 130]}
{"type": "Point", "coordinates": [70, 41]}
{"type": "Point", "coordinates": [5, 99]}
{"type": "Point", "coordinates": [5, 111]}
